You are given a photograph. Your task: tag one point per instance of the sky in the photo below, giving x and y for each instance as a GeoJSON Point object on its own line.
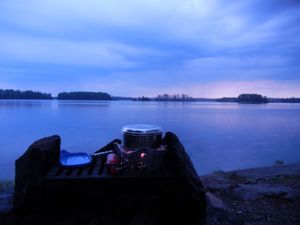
{"type": "Point", "coordinates": [204, 48]}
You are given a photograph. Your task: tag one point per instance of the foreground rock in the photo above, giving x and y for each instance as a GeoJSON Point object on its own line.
{"type": "Point", "coordinates": [269, 195]}
{"type": "Point", "coordinates": [189, 194]}
{"type": "Point", "coordinates": [30, 170]}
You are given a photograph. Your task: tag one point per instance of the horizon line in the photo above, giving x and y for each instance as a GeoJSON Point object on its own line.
{"type": "Point", "coordinates": [140, 96]}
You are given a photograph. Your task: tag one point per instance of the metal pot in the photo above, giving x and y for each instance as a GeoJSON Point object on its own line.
{"type": "Point", "coordinates": [141, 136]}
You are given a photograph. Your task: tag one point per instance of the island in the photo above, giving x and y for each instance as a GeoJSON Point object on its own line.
{"type": "Point", "coordinates": [245, 98]}
{"type": "Point", "coordinates": [82, 95]}
{"type": "Point", "coordinates": [169, 98]}
{"type": "Point", "coordinates": [252, 98]}
{"type": "Point", "coordinates": [17, 94]}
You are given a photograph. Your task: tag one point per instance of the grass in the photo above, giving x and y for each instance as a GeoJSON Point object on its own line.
{"type": "Point", "coordinates": [219, 172]}
{"type": "Point", "coordinates": [6, 185]}
{"type": "Point", "coordinates": [279, 162]}
{"type": "Point", "coordinates": [233, 176]}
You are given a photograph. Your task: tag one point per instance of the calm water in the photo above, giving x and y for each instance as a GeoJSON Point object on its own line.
{"type": "Point", "coordinates": [216, 135]}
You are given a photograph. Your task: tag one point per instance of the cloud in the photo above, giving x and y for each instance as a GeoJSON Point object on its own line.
{"type": "Point", "coordinates": [243, 67]}
{"type": "Point", "coordinates": [180, 21]}
{"type": "Point", "coordinates": [62, 52]}
{"type": "Point", "coordinates": [152, 44]}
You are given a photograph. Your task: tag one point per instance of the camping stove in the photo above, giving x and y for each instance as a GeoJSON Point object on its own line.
{"type": "Point", "coordinates": [142, 149]}
{"type": "Point", "coordinates": [140, 160]}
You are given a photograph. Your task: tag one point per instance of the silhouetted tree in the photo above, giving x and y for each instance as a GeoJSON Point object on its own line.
{"type": "Point", "coordinates": [175, 97]}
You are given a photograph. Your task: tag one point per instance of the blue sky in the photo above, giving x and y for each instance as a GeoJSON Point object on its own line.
{"type": "Point", "coordinates": [205, 48]}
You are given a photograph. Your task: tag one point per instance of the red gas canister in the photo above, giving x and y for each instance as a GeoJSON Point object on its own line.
{"type": "Point", "coordinates": [112, 161]}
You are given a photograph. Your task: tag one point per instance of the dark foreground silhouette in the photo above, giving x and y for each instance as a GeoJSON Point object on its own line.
{"type": "Point", "coordinates": [182, 202]}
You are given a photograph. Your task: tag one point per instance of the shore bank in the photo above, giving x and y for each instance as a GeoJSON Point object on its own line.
{"type": "Point", "coordinates": [266, 195]}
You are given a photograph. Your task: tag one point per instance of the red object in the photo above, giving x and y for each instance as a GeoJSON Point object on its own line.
{"type": "Point", "coordinates": [112, 161]}
{"type": "Point", "coordinates": [112, 158]}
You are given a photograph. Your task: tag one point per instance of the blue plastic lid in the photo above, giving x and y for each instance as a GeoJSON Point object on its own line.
{"type": "Point", "coordinates": [77, 159]}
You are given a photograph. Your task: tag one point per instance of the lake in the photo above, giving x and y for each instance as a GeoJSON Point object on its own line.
{"type": "Point", "coordinates": [224, 136]}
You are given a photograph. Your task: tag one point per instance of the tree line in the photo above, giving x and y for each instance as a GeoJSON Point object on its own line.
{"type": "Point", "coordinates": [175, 97]}
{"type": "Point", "coordinates": [82, 95]}
{"type": "Point", "coordinates": [17, 94]}
{"type": "Point", "coordinates": [245, 98]}
{"type": "Point", "coordinates": [256, 98]}
{"type": "Point", "coordinates": [167, 97]}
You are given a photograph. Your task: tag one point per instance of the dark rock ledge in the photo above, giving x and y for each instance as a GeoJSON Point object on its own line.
{"type": "Point", "coordinates": [267, 195]}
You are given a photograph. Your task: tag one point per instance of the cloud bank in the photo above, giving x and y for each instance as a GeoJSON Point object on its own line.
{"type": "Point", "coordinates": [207, 48]}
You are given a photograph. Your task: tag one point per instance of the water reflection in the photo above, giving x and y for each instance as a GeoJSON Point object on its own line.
{"type": "Point", "coordinates": [74, 103]}
{"type": "Point", "coordinates": [25, 103]}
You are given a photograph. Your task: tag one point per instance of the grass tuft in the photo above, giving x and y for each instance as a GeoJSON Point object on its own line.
{"type": "Point", "coordinates": [232, 176]}
{"type": "Point", "coordinates": [279, 162]}
{"type": "Point", "coordinates": [6, 186]}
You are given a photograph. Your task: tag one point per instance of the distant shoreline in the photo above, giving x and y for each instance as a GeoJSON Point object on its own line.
{"type": "Point", "coordinates": [206, 100]}
{"type": "Point", "coordinates": [10, 94]}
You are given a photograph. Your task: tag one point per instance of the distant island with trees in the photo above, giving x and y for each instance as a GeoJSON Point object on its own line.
{"type": "Point", "coordinates": [85, 95]}
{"type": "Point", "coordinates": [17, 94]}
{"type": "Point", "coordinates": [246, 98]}
{"type": "Point", "coordinates": [81, 95]}
{"type": "Point", "coordinates": [169, 98]}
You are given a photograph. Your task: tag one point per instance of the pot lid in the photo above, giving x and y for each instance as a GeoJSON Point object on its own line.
{"type": "Point", "coordinates": [142, 129]}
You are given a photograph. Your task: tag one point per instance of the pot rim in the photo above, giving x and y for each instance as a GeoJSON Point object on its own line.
{"type": "Point", "coordinates": [141, 129]}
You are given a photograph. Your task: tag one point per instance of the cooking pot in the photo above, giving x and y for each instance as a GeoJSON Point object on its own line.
{"type": "Point", "coordinates": [139, 136]}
